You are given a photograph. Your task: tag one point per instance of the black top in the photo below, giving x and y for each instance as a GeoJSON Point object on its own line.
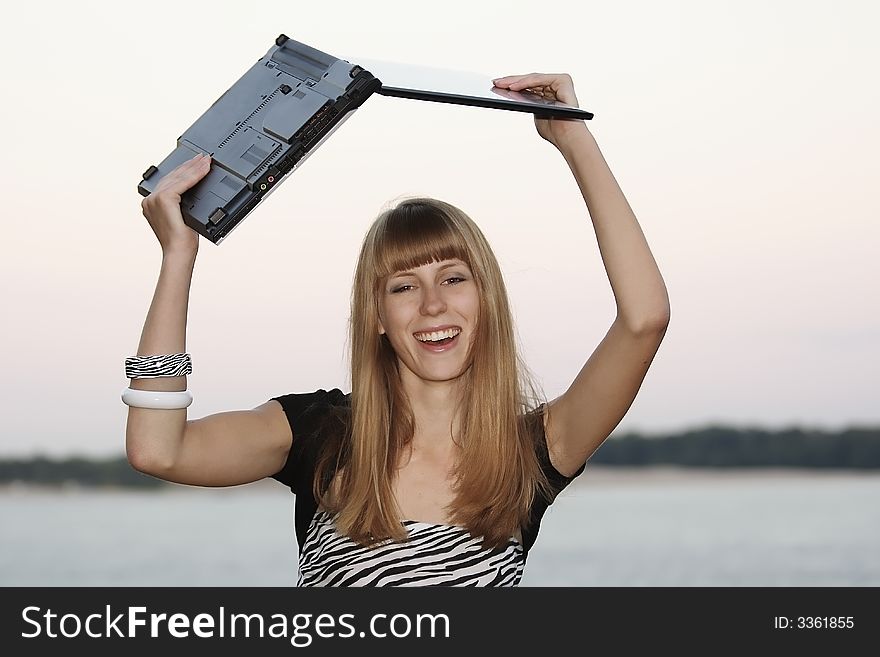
{"type": "Point", "coordinates": [308, 416]}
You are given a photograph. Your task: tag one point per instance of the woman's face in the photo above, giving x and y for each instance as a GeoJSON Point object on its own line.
{"type": "Point", "coordinates": [421, 309]}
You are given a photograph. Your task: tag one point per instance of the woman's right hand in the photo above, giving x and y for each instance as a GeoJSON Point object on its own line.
{"type": "Point", "coordinates": [162, 206]}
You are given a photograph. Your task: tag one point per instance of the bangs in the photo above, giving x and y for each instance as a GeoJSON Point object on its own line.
{"type": "Point", "coordinates": [413, 234]}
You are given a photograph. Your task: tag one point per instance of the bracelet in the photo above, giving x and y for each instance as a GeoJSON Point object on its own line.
{"type": "Point", "coordinates": [157, 399]}
{"type": "Point", "coordinates": [151, 367]}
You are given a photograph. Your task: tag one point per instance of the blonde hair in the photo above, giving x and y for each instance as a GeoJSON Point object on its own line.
{"type": "Point", "coordinates": [498, 472]}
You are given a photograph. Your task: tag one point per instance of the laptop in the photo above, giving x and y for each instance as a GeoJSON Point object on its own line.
{"type": "Point", "coordinates": [285, 106]}
{"type": "Point", "coordinates": [462, 88]}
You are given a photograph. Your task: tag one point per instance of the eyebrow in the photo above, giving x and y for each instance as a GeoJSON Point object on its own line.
{"type": "Point", "coordinates": [448, 265]}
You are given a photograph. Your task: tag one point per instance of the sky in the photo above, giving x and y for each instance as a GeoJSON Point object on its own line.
{"type": "Point", "coordinates": [744, 135]}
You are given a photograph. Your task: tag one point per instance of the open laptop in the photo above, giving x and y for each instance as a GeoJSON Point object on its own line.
{"type": "Point", "coordinates": [285, 106]}
{"type": "Point", "coordinates": [462, 88]}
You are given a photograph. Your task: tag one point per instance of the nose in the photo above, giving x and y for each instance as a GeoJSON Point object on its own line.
{"type": "Point", "coordinates": [432, 301]}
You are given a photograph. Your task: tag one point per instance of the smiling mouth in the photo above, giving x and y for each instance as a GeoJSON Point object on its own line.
{"type": "Point", "coordinates": [438, 338]}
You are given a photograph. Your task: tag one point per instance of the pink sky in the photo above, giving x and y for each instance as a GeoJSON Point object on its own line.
{"type": "Point", "coordinates": [743, 134]}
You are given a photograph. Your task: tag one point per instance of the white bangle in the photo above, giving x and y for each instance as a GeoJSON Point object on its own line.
{"type": "Point", "coordinates": [157, 399]}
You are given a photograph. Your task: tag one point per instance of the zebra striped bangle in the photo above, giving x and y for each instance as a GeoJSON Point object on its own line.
{"type": "Point", "coordinates": [151, 367]}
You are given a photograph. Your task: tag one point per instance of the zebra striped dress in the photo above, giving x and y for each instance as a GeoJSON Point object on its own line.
{"type": "Point", "coordinates": [434, 555]}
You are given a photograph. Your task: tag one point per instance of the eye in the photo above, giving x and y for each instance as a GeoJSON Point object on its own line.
{"type": "Point", "coordinates": [457, 279]}
{"type": "Point", "coordinates": [400, 289]}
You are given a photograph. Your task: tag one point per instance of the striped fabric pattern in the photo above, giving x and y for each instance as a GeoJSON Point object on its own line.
{"type": "Point", "coordinates": [152, 367]}
{"type": "Point", "coordinates": [434, 555]}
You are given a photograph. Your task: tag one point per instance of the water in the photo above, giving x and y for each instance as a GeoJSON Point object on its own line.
{"type": "Point", "coordinates": [633, 527]}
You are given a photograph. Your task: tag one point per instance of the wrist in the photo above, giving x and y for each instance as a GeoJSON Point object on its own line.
{"type": "Point", "coordinates": [180, 255]}
{"type": "Point", "coordinates": [575, 140]}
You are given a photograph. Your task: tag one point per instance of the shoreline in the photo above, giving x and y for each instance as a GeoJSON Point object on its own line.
{"type": "Point", "coordinates": [604, 475]}
{"type": "Point", "coordinates": [593, 476]}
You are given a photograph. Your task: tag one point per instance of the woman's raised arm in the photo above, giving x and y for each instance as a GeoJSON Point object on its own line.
{"type": "Point", "coordinates": [604, 389]}
{"type": "Point", "coordinates": [219, 450]}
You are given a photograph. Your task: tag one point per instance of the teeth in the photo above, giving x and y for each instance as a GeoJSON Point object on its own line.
{"type": "Point", "coordinates": [435, 336]}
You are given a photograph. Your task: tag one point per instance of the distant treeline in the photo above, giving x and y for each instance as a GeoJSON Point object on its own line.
{"type": "Point", "coordinates": [720, 447]}
{"type": "Point", "coordinates": [108, 473]}
{"type": "Point", "coordinates": [726, 447]}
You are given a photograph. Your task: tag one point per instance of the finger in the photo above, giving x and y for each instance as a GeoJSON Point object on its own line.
{"type": "Point", "coordinates": [507, 80]}
{"type": "Point", "coordinates": [519, 82]}
{"type": "Point", "coordinates": [558, 86]}
{"type": "Point", "coordinates": [186, 175]}
{"type": "Point", "coordinates": [186, 169]}
{"type": "Point", "coordinates": [196, 163]}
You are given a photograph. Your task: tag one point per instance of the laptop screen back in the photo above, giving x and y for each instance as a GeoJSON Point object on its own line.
{"type": "Point", "coordinates": [460, 87]}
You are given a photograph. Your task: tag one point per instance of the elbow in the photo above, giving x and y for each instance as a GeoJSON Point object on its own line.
{"type": "Point", "coordinates": [152, 443]}
{"type": "Point", "coordinates": [652, 324]}
{"type": "Point", "coordinates": [649, 316]}
{"type": "Point", "coordinates": [141, 461]}
{"type": "Point", "coordinates": [137, 459]}
{"type": "Point", "coordinates": [146, 460]}
{"type": "Point", "coordinates": [659, 323]}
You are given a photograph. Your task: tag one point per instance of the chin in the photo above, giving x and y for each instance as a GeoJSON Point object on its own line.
{"type": "Point", "coordinates": [450, 374]}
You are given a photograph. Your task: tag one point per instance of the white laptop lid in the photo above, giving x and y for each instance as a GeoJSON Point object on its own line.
{"type": "Point", "coordinates": [460, 87]}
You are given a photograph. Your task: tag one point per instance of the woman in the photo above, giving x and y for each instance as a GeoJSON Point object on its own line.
{"type": "Point", "coordinates": [437, 468]}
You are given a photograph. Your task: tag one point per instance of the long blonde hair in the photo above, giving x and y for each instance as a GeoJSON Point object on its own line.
{"type": "Point", "coordinates": [498, 472]}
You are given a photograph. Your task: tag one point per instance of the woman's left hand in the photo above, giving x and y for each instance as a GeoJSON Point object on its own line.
{"type": "Point", "coordinates": [557, 87]}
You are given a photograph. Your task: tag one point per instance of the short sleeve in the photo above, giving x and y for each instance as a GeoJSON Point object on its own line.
{"type": "Point", "coordinates": [558, 482]}
{"type": "Point", "coordinates": [306, 414]}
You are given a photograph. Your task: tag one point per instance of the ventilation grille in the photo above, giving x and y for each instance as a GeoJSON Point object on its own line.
{"type": "Point", "coordinates": [241, 126]}
{"type": "Point", "coordinates": [265, 165]}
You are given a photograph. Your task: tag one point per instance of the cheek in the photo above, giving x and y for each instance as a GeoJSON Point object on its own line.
{"type": "Point", "coordinates": [392, 317]}
{"type": "Point", "coordinates": [473, 306]}
{"type": "Point", "coordinates": [388, 315]}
